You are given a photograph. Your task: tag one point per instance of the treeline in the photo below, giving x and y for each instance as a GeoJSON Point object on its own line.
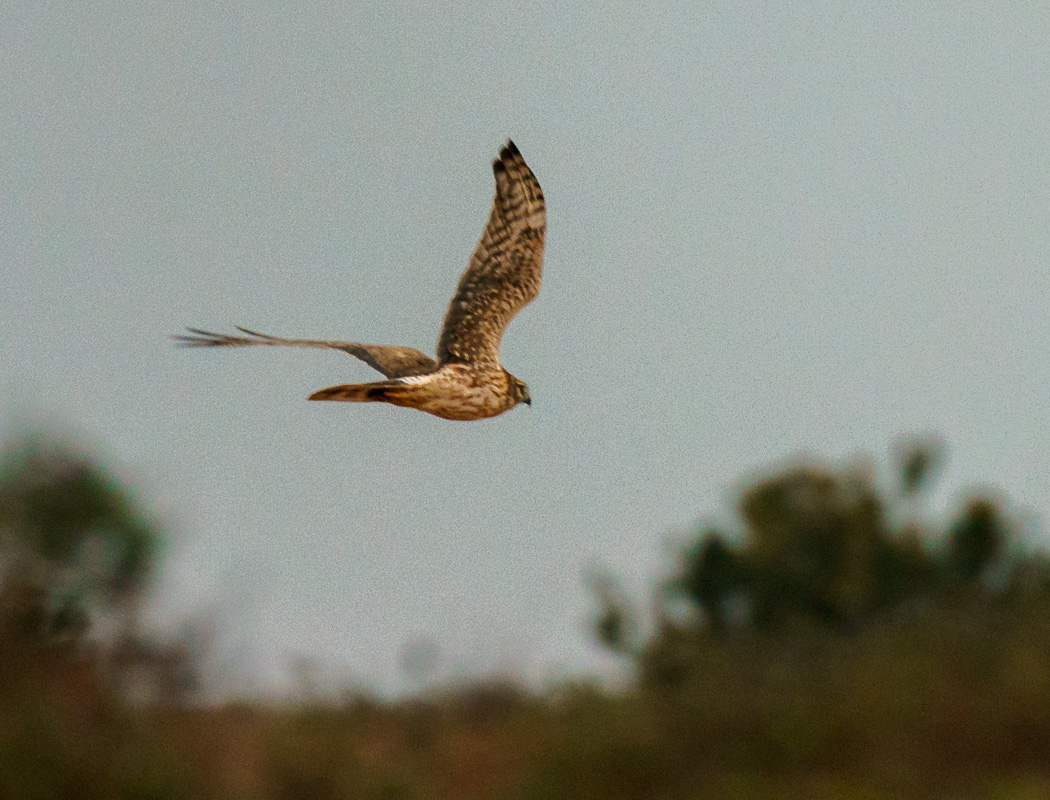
{"type": "Point", "coordinates": [838, 640]}
{"type": "Point", "coordinates": [829, 550]}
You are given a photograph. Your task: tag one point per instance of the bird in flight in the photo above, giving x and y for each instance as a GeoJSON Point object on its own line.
{"type": "Point", "coordinates": [466, 380]}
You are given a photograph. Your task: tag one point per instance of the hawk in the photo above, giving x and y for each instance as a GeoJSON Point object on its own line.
{"type": "Point", "coordinates": [465, 381]}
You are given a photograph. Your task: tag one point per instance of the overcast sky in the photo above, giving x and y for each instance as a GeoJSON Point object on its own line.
{"type": "Point", "coordinates": [771, 234]}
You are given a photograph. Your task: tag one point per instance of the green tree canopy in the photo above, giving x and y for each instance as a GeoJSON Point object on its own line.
{"type": "Point", "coordinates": [831, 548]}
{"type": "Point", "coordinates": [70, 534]}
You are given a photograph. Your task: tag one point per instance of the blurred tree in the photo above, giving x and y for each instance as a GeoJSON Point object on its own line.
{"type": "Point", "coordinates": [976, 540]}
{"type": "Point", "coordinates": [829, 547]}
{"type": "Point", "coordinates": [615, 624]}
{"type": "Point", "coordinates": [812, 541]}
{"type": "Point", "coordinates": [905, 569]}
{"type": "Point", "coordinates": [71, 537]}
{"type": "Point", "coordinates": [711, 575]}
{"type": "Point", "coordinates": [76, 551]}
{"type": "Point", "coordinates": [918, 460]}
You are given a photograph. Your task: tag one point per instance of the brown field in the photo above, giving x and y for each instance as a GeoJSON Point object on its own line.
{"type": "Point", "coordinates": [953, 702]}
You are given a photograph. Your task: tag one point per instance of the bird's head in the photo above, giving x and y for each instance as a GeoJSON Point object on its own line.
{"type": "Point", "coordinates": [520, 390]}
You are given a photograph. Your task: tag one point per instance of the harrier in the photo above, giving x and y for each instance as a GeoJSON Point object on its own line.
{"type": "Point", "coordinates": [466, 380]}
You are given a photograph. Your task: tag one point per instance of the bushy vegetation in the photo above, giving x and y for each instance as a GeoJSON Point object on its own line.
{"type": "Point", "coordinates": [833, 643]}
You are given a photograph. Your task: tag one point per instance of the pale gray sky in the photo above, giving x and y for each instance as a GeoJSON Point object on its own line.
{"type": "Point", "coordinates": [771, 233]}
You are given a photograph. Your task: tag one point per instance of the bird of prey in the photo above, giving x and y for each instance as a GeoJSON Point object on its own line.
{"type": "Point", "coordinates": [466, 380]}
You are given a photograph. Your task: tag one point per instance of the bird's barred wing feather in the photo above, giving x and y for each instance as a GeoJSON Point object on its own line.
{"type": "Point", "coordinates": [504, 271]}
{"type": "Point", "coordinates": [391, 361]}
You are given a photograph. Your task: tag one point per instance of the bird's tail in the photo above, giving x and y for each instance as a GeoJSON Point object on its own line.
{"type": "Point", "coordinates": [380, 391]}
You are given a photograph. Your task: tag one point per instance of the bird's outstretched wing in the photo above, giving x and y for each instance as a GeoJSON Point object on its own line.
{"type": "Point", "coordinates": [504, 271]}
{"type": "Point", "coordinates": [392, 361]}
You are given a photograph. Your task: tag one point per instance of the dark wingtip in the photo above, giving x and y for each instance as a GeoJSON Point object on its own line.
{"type": "Point", "coordinates": [509, 152]}
{"type": "Point", "coordinates": [256, 334]}
{"type": "Point", "coordinates": [198, 338]}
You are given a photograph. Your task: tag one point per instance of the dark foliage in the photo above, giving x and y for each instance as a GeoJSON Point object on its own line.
{"type": "Point", "coordinates": [838, 647]}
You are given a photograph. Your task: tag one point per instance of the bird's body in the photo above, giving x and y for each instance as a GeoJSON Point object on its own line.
{"type": "Point", "coordinates": [466, 380]}
{"type": "Point", "coordinates": [455, 391]}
